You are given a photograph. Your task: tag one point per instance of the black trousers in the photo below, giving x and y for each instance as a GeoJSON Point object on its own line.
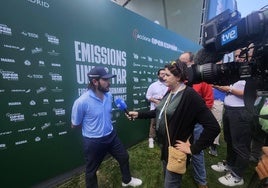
{"type": "Point", "coordinates": [237, 135]}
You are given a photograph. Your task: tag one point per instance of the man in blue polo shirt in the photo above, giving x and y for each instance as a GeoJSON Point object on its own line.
{"type": "Point", "coordinates": [92, 111]}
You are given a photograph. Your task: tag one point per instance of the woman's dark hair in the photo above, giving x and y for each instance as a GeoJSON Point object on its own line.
{"type": "Point", "coordinates": [178, 69]}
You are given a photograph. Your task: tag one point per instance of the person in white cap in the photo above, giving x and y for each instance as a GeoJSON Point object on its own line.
{"type": "Point", "coordinates": [92, 111]}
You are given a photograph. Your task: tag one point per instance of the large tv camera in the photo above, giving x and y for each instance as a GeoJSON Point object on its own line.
{"type": "Point", "coordinates": [224, 34]}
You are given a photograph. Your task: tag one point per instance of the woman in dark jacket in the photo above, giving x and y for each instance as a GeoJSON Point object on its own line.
{"type": "Point", "coordinates": [184, 108]}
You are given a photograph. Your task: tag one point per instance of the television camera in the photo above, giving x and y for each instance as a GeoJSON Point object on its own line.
{"type": "Point", "coordinates": [224, 34]}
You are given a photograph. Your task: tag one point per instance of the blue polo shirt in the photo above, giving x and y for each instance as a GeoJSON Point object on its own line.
{"type": "Point", "coordinates": [93, 114]}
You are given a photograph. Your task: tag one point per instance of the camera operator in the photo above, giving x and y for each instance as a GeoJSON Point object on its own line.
{"type": "Point", "coordinates": [237, 131]}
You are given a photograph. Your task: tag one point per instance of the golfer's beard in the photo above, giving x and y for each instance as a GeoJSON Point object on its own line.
{"type": "Point", "coordinates": [103, 89]}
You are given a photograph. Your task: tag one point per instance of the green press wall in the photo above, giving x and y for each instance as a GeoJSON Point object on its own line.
{"type": "Point", "coordinates": [46, 49]}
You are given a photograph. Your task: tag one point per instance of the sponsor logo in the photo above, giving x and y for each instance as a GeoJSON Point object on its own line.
{"type": "Point", "coordinates": [59, 100]}
{"type": "Point", "coordinates": [60, 123]}
{"type": "Point", "coordinates": [52, 39]}
{"type": "Point", "coordinates": [45, 101]}
{"type": "Point", "coordinates": [3, 146]}
{"type": "Point", "coordinates": [59, 111]}
{"type": "Point", "coordinates": [14, 103]}
{"type": "Point", "coordinates": [2, 91]}
{"type": "Point", "coordinates": [56, 90]}
{"type": "Point", "coordinates": [45, 126]}
{"type": "Point", "coordinates": [53, 53]}
{"type": "Point", "coordinates": [27, 63]}
{"type": "Point", "coordinates": [135, 56]}
{"type": "Point", "coordinates": [26, 129]}
{"type": "Point", "coordinates": [55, 77]}
{"type": "Point", "coordinates": [5, 133]}
{"type": "Point", "coordinates": [20, 90]}
{"type": "Point", "coordinates": [35, 76]}
{"type": "Point", "coordinates": [9, 75]}
{"type": "Point", "coordinates": [36, 50]}
{"type": "Point", "coordinates": [37, 139]}
{"type": "Point", "coordinates": [41, 90]}
{"type": "Point", "coordinates": [41, 63]}
{"type": "Point", "coordinates": [5, 30]}
{"type": "Point", "coordinates": [49, 135]}
{"type": "Point", "coordinates": [14, 47]}
{"type": "Point", "coordinates": [7, 60]}
{"type": "Point", "coordinates": [15, 117]}
{"type": "Point", "coordinates": [32, 103]}
{"type": "Point", "coordinates": [39, 114]}
{"type": "Point", "coordinates": [55, 65]}
{"type": "Point", "coordinates": [29, 34]}
{"type": "Point", "coordinates": [135, 101]}
{"type": "Point", "coordinates": [21, 142]}
{"type": "Point", "coordinates": [40, 3]}
{"type": "Point", "coordinates": [62, 133]}
{"type": "Point", "coordinates": [136, 79]}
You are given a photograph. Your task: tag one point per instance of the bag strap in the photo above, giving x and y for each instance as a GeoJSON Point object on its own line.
{"type": "Point", "coordinates": [165, 113]}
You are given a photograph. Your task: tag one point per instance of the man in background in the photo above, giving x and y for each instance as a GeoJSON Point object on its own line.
{"type": "Point", "coordinates": [154, 94]}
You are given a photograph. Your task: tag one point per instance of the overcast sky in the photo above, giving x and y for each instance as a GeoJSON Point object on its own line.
{"type": "Point", "coordinates": [247, 6]}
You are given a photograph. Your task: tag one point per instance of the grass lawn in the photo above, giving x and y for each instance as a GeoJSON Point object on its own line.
{"type": "Point", "coordinates": [145, 164]}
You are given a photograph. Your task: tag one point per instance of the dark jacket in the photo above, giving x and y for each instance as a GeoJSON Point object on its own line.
{"type": "Point", "coordinates": [191, 110]}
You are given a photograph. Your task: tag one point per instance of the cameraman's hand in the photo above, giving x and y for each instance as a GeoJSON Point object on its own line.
{"type": "Point", "coordinates": [222, 88]}
{"type": "Point", "coordinates": [132, 115]}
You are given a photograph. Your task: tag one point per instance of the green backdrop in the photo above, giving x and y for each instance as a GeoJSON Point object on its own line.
{"type": "Point", "coordinates": [47, 47]}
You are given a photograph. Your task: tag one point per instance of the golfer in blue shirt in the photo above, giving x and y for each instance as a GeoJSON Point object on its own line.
{"type": "Point", "coordinates": [92, 111]}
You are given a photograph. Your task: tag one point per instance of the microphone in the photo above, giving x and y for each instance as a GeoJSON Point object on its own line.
{"type": "Point", "coordinates": [120, 103]}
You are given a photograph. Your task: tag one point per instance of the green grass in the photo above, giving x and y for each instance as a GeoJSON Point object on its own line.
{"type": "Point", "coordinates": [145, 164]}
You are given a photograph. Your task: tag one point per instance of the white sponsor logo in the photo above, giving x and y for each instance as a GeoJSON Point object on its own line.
{"type": "Point", "coordinates": [55, 65]}
{"type": "Point", "coordinates": [55, 77]}
{"type": "Point", "coordinates": [49, 135]}
{"type": "Point", "coordinates": [135, 56]}
{"type": "Point", "coordinates": [7, 60]}
{"type": "Point", "coordinates": [62, 133]}
{"type": "Point", "coordinates": [27, 63]}
{"type": "Point", "coordinates": [5, 133]}
{"type": "Point", "coordinates": [20, 90]}
{"type": "Point", "coordinates": [60, 123]}
{"type": "Point", "coordinates": [15, 117]}
{"type": "Point", "coordinates": [36, 50]}
{"type": "Point", "coordinates": [26, 129]}
{"type": "Point", "coordinates": [45, 101]}
{"type": "Point", "coordinates": [41, 90]}
{"type": "Point", "coordinates": [4, 29]}
{"type": "Point", "coordinates": [41, 63]}
{"type": "Point", "coordinates": [32, 103]}
{"type": "Point", "coordinates": [14, 103]}
{"type": "Point", "coordinates": [56, 90]}
{"type": "Point", "coordinates": [53, 53]}
{"type": "Point", "coordinates": [37, 139]}
{"type": "Point", "coordinates": [21, 142]}
{"type": "Point", "coordinates": [52, 39]}
{"type": "Point", "coordinates": [59, 111]}
{"type": "Point", "coordinates": [59, 100]}
{"type": "Point", "coordinates": [3, 146]}
{"type": "Point", "coordinates": [35, 76]}
{"type": "Point", "coordinates": [14, 47]}
{"type": "Point", "coordinates": [29, 34]}
{"type": "Point", "coordinates": [39, 114]}
{"type": "Point", "coordinates": [45, 126]}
